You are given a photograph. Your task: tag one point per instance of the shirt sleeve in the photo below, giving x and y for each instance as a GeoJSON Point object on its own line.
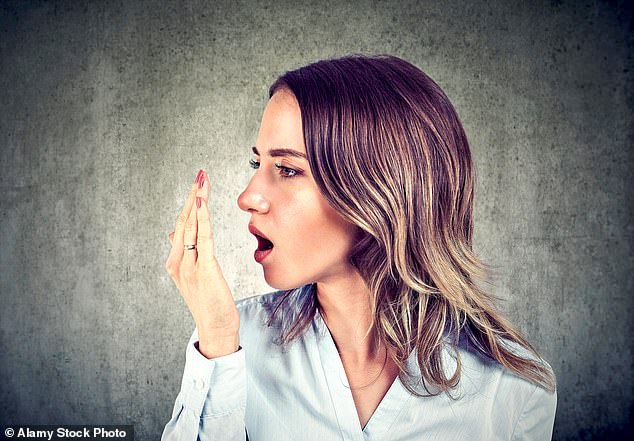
{"type": "Point", "coordinates": [537, 418]}
{"type": "Point", "coordinates": [212, 399]}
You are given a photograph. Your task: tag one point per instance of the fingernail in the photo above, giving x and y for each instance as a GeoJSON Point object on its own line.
{"type": "Point", "coordinates": [201, 181]}
{"type": "Point", "coordinates": [199, 177]}
{"type": "Point", "coordinates": [198, 202]}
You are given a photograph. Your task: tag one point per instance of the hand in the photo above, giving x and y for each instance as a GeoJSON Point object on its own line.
{"type": "Point", "coordinates": [199, 278]}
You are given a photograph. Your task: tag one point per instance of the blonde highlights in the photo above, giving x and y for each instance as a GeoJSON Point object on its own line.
{"type": "Point", "coordinates": [388, 152]}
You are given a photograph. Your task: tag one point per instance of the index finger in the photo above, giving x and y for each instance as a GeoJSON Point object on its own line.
{"type": "Point", "coordinates": [179, 232]}
{"type": "Point", "coordinates": [204, 241]}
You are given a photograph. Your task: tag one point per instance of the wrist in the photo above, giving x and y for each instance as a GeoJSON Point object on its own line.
{"type": "Point", "coordinates": [217, 347]}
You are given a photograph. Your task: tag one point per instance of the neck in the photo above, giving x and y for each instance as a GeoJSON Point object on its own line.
{"type": "Point", "coordinates": [345, 307]}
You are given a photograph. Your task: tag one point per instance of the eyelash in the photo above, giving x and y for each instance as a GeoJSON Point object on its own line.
{"type": "Point", "coordinates": [256, 164]}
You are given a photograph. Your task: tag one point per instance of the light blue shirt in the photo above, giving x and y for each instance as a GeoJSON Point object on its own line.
{"type": "Point", "coordinates": [300, 392]}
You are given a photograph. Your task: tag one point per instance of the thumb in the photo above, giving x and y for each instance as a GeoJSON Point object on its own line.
{"type": "Point", "coordinates": [171, 237]}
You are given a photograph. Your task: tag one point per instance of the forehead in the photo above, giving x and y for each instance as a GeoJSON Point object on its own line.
{"type": "Point", "coordinates": [281, 125]}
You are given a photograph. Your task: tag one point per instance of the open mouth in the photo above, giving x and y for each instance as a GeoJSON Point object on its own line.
{"type": "Point", "coordinates": [263, 243]}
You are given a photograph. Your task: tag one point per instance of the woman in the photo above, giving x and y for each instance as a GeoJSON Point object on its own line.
{"type": "Point", "coordinates": [362, 206]}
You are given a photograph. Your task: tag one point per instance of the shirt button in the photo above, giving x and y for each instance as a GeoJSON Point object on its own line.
{"type": "Point", "coordinates": [199, 384]}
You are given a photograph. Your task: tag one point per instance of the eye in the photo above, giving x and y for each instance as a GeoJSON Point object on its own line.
{"type": "Point", "coordinates": [287, 172]}
{"type": "Point", "coordinates": [254, 164]}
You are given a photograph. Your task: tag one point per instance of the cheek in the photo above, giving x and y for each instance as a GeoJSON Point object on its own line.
{"type": "Point", "coordinates": [324, 230]}
{"type": "Point", "coordinates": [314, 240]}
{"type": "Point", "coordinates": [311, 228]}
{"type": "Point", "coordinates": [306, 230]}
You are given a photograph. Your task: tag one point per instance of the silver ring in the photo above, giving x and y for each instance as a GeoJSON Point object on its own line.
{"type": "Point", "coordinates": [190, 247]}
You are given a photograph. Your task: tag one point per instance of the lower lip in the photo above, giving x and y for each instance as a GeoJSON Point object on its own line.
{"type": "Point", "coordinates": [261, 254]}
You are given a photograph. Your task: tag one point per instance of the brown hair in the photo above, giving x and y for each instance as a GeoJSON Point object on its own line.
{"type": "Point", "coordinates": [388, 152]}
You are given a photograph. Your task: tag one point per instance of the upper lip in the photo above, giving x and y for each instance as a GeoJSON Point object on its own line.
{"type": "Point", "coordinates": [257, 232]}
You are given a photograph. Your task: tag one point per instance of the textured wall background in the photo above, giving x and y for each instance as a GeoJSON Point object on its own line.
{"type": "Point", "coordinates": [108, 110]}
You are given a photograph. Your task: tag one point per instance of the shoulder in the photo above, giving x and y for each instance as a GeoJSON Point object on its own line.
{"type": "Point", "coordinates": [255, 330]}
{"type": "Point", "coordinates": [274, 311]}
{"type": "Point", "coordinates": [272, 300]}
{"type": "Point", "coordinates": [482, 371]}
{"type": "Point", "coordinates": [257, 301]}
{"type": "Point", "coordinates": [489, 401]}
{"type": "Point", "coordinates": [257, 308]}
{"type": "Point", "coordinates": [530, 407]}
{"type": "Point", "coordinates": [285, 304]}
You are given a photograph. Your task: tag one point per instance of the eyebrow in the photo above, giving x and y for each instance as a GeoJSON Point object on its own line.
{"type": "Point", "coordinates": [281, 152]}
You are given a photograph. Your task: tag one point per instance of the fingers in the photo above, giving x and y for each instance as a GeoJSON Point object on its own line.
{"type": "Point", "coordinates": [177, 238]}
{"type": "Point", "coordinates": [181, 221]}
{"type": "Point", "coordinates": [204, 192]}
{"type": "Point", "coordinates": [191, 232]}
{"type": "Point", "coordinates": [188, 266]}
{"type": "Point", "coordinates": [205, 238]}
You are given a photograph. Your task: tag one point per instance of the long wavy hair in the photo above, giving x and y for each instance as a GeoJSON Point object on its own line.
{"type": "Point", "coordinates": [388, 152]}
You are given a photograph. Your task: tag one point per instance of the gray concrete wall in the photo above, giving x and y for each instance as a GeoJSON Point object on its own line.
{"type": "Point", "coordinates": [108, 109]}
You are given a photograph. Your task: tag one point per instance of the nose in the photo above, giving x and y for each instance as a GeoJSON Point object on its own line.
{"type": "Point", "coordinates": [253, 201]}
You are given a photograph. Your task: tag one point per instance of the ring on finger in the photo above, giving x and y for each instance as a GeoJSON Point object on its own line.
{"type": "Point", "coordinates": [190, 247]}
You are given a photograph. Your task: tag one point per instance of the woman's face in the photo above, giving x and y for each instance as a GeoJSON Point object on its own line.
{"type": "Point", "coordinates": [311, 241]}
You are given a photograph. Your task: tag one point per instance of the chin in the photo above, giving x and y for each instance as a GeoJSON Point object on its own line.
{"type": "Point", "coordinates": [281, 282]}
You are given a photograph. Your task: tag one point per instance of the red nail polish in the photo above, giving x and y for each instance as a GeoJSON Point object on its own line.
{"type": "Point", "coordinates": [198, 202]}
{"type": "Point", "coordinates": [201, 178]}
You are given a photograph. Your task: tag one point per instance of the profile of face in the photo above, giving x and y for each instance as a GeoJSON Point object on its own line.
{"type": "Point", "coordinates": [310, 240]}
